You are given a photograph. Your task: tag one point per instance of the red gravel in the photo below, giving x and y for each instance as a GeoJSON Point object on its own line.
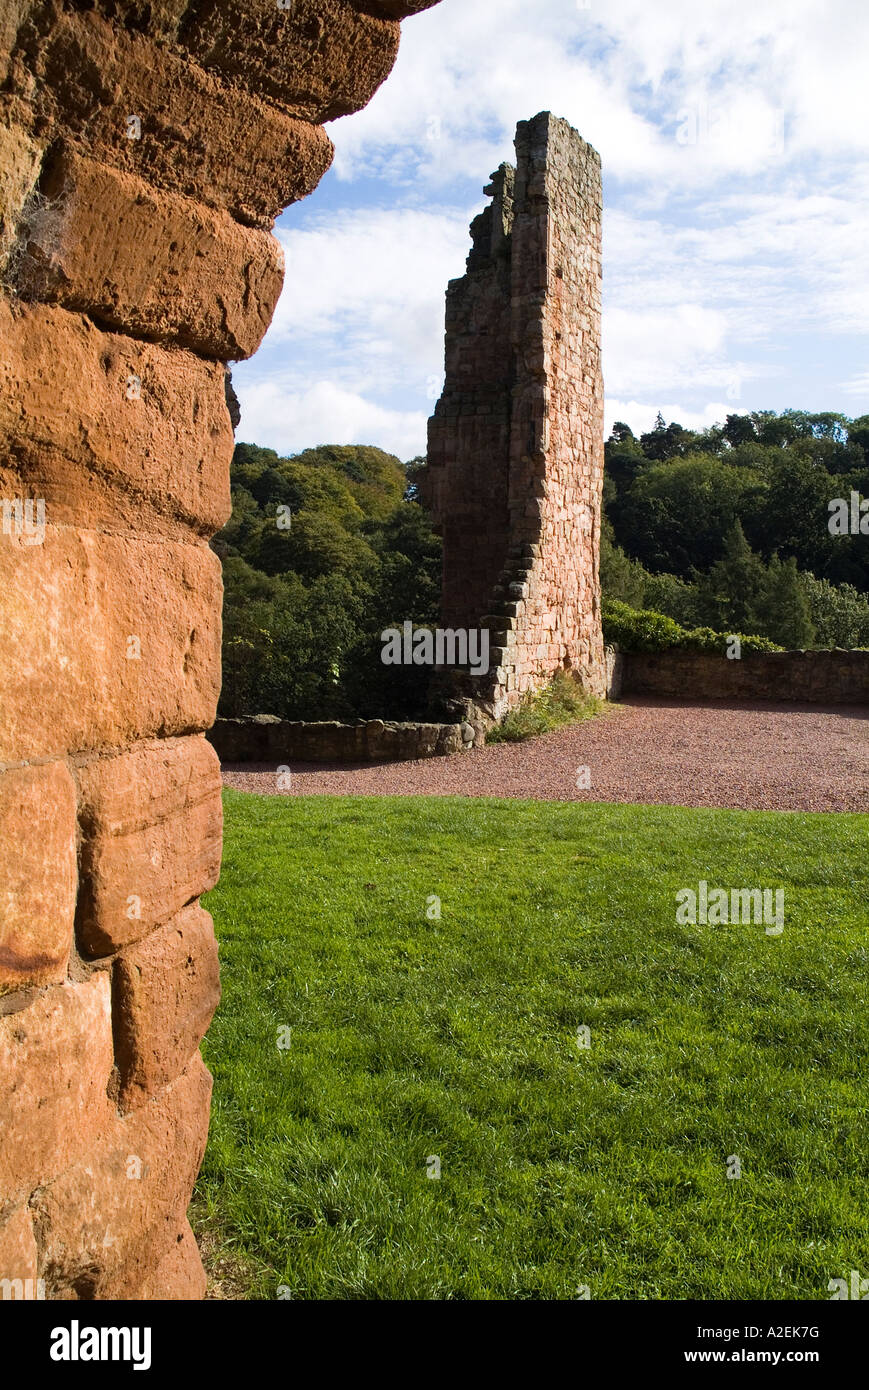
{"type": "Point", "coordinates": [741, 755]}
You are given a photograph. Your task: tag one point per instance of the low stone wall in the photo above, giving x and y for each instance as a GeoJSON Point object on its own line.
{"type": "Point", "coordinates": [266, 739]}
{"type": "Point", "coordinates": [821, 678]}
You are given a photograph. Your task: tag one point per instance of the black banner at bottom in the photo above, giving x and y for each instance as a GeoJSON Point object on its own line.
{"type": "Point", "coordinates": [414, 1339]}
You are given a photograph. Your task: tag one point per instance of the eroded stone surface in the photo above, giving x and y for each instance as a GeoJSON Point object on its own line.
{"type": "Point", "coordinates": [106, 640]}
{"type": "Point", "coordinates": [194, 136]}
{"type": "Point", "coordinates": [37, 874]}
{"type": "Point", "coordinates": [132, 265]}
{"type": "Point", "coordinates": [166, 990]}
{"type": "Point", "coordinates": [320, 60]}
{"type": "Point", "coordinates": [159, 19]}
{"type": "Point", "coordinates": [110, 431]}
{"type": "Point", "coordinates": [18, 1258]}
{"type": "Point", "coordinates": [20, 158]}
{"type": "Point", "coordinates": [152, 823]}
{"type": "Point", "coordinates": [56, 1058]}
{"type": "Point", "coordinates": [109, 1219]}
{"type": "Point", "coordinates": [12, 15]}
{"type": "Point", "coordinates": [148, 262]}
{"type": "Point", "coordinates": [394, 9]}
{"type": "Point", "coordinates": [179, 1276]}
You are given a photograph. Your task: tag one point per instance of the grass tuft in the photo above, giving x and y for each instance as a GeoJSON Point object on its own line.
{"type": "Point", "coordinates": [563, 701]}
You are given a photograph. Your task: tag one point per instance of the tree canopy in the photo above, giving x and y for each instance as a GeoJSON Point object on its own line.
{"type": "Point", "coordinates": [729, 526]}
{"type": "Point", "coordinates": [321, 553]}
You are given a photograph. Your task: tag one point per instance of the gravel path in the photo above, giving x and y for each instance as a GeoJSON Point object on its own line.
{"type": "Point", "coordinates": [746, 756]}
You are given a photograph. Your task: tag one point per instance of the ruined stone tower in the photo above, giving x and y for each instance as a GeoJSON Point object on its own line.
{"type": "Point", "coordinates": [146, 147]}
{"type": "Point", "coordinates": [515, 462]}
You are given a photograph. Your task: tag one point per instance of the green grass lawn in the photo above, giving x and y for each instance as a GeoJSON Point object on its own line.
{"type": "Point", "coordinates": [561, 1166]}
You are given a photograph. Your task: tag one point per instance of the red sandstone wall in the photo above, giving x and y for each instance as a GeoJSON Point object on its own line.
{"type": "Point", "coordinates": [467, 481]}
{"type": "Point", "coordinates": [131, 270]}
{"type": "Point", "coordinates": [516, 443]}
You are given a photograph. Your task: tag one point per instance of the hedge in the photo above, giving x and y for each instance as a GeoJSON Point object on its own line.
{"type": "Point", "coordinates": [641, 630]}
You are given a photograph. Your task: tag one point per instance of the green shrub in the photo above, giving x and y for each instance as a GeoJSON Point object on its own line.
{"type": "Point", "coordinates": [706, 639]}
{"type": "Point", "coordinates": [641, 630]}
{"type": "Point", "coordinates": [638, 629]}
{"type": "Point", "coordinates": [561, 702]}
{"type": "Point", "coordinates": [840, 613]}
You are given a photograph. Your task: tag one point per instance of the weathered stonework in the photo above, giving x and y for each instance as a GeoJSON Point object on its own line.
{"type": "Point", "coordinates": [263, 738]}
{"type": "Point", "coordinates": [515, 462]}
{"type": "Point", "coordinates": [835, 677]}
{"type": "Point", "coordinates": [145, 150]}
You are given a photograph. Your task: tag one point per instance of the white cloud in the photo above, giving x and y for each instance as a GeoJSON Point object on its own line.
{"type": "Point", "coordinates": [289, 416]}
{"type": "Point", "coordinates": [641, 417]}
{"type": "Point", "coordinates": [365, 288]}
{"type": "Point", "coordinates": [766, 83]}
{"type": "Point", "coordinates": [858, 385]}
{"type": "Point", "coordinates": [735, 209]}
{"type": "Point", "coordinates": [354, 354]}
{"type": "Point", "coordinates": [649, 348]}
{"type": "Point", "coordinates": [775, 260]}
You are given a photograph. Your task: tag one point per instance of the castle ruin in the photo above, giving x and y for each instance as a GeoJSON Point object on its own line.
{"type": "Point", "coordinates": [515, 462]}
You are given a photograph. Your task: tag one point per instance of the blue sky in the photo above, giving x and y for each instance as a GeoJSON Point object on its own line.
{"type": "Point", "coordinates": [733, 137]}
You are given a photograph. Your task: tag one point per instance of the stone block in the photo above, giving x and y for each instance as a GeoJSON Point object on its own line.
{"type": "Point", "coordinates": [179, 1276]}
{"type": "Point", "coordinates": [18, 1255]}
{"type": "Point", "coordinates": [147, 262]}
{"type": "Point", "coordinates": [166, 989]}
{"type": "Point", "coordinates": [151, 822]}
{"type": "Point", "coordinates": [196, 136]}
{"type": "Point", "coordinates": [107, 1221]}
{"type": "Point", "coordinates": [320, 60]}
{"type": "Point", "coordinates": [109, 431]}
{"type": "Point", "coordinates": [38, 874]}
{"type": "Point", "coordinates": [394, 9]}
{"type": "Point", "coordinates": [56, 1060]}
{"type": "Point", "coordinates": [107, 640]}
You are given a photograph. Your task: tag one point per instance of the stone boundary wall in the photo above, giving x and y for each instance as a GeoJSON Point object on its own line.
{"type": "Point", "coordinates": [821, 677]}
{"type": "Point", "coordinates": [145, 150]}
{"type": "Point", "coordinates": [266, 739]}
